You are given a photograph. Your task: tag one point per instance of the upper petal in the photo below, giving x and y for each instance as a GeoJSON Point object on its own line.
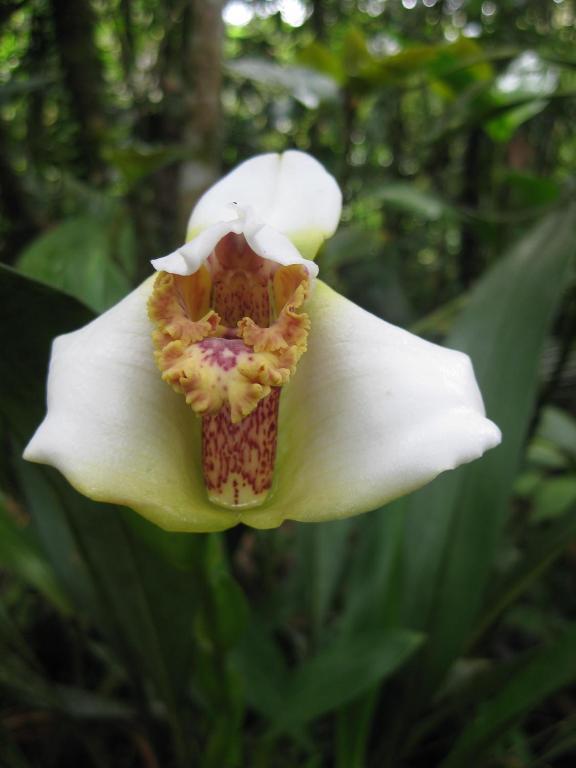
{"type": "Point", "coordinates": [373, 413]}
{"type": "Point", "coordinates": [189, 257]}
{"type": "Point", "coordinates": [114, 428]}
{"type": "Point", "coordinates": [271, 244]}
{"type": "Point", "coordinates": [292, 192]}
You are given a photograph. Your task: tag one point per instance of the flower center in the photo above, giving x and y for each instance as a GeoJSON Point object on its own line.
{"type": "Point", "coordinates": [228, 337]}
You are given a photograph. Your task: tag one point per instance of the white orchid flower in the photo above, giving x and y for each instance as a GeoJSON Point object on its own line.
{"type": "Point", "coordinates": [234, 387]}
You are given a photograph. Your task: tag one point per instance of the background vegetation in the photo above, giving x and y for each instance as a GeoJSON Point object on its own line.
{"type": "Point", "coordinates": [438, 631]}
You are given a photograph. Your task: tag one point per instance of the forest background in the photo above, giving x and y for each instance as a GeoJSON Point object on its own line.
{"type": "Point", "coordinates": [438, 631]}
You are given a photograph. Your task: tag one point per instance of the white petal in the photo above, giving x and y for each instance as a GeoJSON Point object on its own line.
{"type": "Point", "coordinates": [116, 430]}
{"type": "Point", "coordinates": [271, 244]}
{"type": "Point", "coordinates": [372, 413]}
{"type": "Point", "coordinates": [189, 257]}
{"type": "Point", "coordinates": [292, 192]}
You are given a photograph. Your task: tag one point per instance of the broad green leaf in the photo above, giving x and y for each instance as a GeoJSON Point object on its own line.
{"type": "Point", "coordinates": [371, 594]}
{"type": "Point", "coordinates": [546, 671]}
{"type": "Point", "coordinates": [319, 57]}
{"type": "Point", "coordinates": [227, 614]}
{"type": "Point", "coordinates": [353, 664]}
{"type": "Point", "coordinates": [460, 66]}
{"type": "Point", "coordinates": [554, 497]}
{"type": "Point", "coordinates": [22, 398]}
{"type": "Point", "coordinates": [89, 256]}
{"type": "Point", "coordinates": [262, 667]}
{"type": "Point", "coordinates": [44, 313]}
{"type": "Point", "coordinates": [349, 667]}
{"type": "Point", "coordinates": [354, 53]}
{"type": "Point", "coordinates": [371, 600]}
{"type": "Point", "coordinates": [409, 198]}
{"type": "Point", "coordinates": [20, 555]}
{"type": "Point", "coordinates": [529, 190]}
{"type": "Point", "coordinates": [546, 455]}
{"type": "Point", "coordinates": [322, 551]}
{"type": "Point", "coordinates": [353, 728]}
{"type": "Point", "coordinates": [559, 427]}
{"type": "Point", "coordinates": [310, 88]}
{"type": "Point", "coordinates": [413, 60]}
{"type": "Point", "coordinates": [505, 125]}
{"type": "Point", "coordinates": [454, 526]}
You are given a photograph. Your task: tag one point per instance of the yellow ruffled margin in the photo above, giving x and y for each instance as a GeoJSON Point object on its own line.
{"type": "Point", "coordinates": [256, 358]}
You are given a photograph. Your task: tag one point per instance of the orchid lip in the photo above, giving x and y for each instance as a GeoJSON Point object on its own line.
{"type": "Point", "coordinates": [228, 337]}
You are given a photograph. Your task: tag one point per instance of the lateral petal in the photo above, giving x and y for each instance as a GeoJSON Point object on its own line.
{"type": "Point", "coordinates": [116, 431]}
{"type": "Point", "coordinates": [373, 413]}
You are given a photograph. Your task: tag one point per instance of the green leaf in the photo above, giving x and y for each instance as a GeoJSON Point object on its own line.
{"type": "Point", "coordinates": [352, 665]}
{"type": "Point", "coordinates": [353, 728]}
{"type": "Point", "coordinates": [319, 57]}
{"type": "Point", "coordinates": [409, 198]}
{"type": "Point", "coordinates": [308, 87]}
{"type": "Point", "coordinates": [554, 496]}
{"type": "Point", "coordinates": [454, 526]}
{"type": "Point", "coordinates": [227, 610]}
{"type": "Point", "coordinates": [88, 256]}
{"type": "Point", "coordinates": [349, 667]}
{"type": "Point", "coordinates": [461, 66]}
{"type": "Point", "coordinates": [544, 454]}
{"type": "Point", "coordinates": [322, 550]}
{"type": "Point", "coordinates": [369, 598]}
{"type": "Point", "coordinates": [20, 554]}
{"type": "Point", "coordinates": [559, 428]}
{"type": "Point", "coordinates": [355, 54]}
{"type": "Point", "coordinates": [548, 670]}
{"type": "Point", "coordinates": [45, 313]}
{"type": "Point", "coordinates": [262, 667]}
{"type": "Point", "coordinates": [528, 190]}
{"type": "Point", "coordinates": [505, 125]}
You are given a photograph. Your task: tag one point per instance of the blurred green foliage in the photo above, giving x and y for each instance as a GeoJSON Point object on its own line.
{"type": "Point", "coordinates": [437, 631]}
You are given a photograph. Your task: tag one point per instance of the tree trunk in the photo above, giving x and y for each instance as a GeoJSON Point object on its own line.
{"type": "Point", "coordinates": [82, 70]}
{"type": "Point", "coordinates": [189, 72]}
{"type": "Point", "coordinates": [202, 118]}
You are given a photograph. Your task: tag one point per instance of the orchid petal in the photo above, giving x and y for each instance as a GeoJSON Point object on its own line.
{"type": "Point", "coordinates": [189, 257]}
{"type": "Point", "coordinates": [373, 413]}
{"type": "Point", "coordinates": [271, 244]}
{"type": "Point", "coordinates": [292, 193]}
{"type": "Point", "coordinates": [114, 428]}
